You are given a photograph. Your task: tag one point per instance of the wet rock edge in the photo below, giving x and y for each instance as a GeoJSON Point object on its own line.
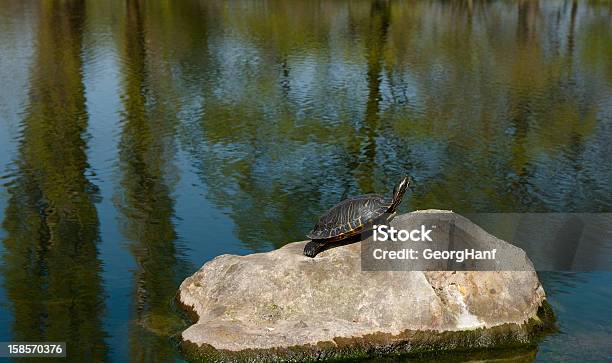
{"type": "Point", "coordinates": [407, 343]}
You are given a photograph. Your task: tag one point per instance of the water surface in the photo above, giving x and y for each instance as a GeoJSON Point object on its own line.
{"type": "Point", "coordinates": [140, 139]}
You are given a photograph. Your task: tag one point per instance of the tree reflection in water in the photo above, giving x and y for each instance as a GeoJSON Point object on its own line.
{"type": "Point", "coordinates": [51, 267]}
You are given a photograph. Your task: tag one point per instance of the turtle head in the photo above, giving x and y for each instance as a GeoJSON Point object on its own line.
{"type": "Point", "coordinates": [399, 190]}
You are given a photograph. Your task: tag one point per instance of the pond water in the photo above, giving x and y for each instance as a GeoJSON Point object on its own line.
{"type": "Point", "coordinates": [140, 139]}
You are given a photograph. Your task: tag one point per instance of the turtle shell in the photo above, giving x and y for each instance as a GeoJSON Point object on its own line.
{"type": "Point", "coordinates": [349, 217]}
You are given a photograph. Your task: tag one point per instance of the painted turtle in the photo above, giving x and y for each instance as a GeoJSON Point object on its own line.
{"type": "Point", "coordinates": [353, 216]}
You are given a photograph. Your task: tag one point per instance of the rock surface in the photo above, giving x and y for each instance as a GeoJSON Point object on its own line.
{"type": "Point", "coordinates": [281, 305]}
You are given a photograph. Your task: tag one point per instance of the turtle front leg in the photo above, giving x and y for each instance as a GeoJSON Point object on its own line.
{"type": "Point", "coordinates": [312, 248]}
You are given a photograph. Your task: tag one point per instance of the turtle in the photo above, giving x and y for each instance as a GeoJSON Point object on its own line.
{"type": "Point", "coordinates": [353, 216]}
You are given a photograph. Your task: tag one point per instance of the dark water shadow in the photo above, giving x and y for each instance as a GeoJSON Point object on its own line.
{"type": "Point", "coordinates": [514, 355]}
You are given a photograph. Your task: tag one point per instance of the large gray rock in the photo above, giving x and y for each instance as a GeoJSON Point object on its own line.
{"type": "Point", "coordinates": [281, 305]}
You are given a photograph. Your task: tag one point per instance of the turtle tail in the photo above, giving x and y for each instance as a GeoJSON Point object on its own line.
{"type": "Point", "coordinates": [312, 248]}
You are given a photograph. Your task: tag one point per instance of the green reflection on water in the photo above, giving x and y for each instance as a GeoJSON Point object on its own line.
{"type": "Point", "coordinates": [51, 268]}
{"type": "Point", "coordinates": [146, 149]}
